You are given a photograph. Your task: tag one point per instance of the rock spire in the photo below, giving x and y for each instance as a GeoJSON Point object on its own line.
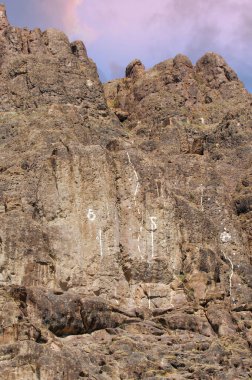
{"type": "Point", "coordinates": [4, 23]}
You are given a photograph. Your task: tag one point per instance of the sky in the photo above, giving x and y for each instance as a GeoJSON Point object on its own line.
{"type": "Point", "coordinates": [117, 31]}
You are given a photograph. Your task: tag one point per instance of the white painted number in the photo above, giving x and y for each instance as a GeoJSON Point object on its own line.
{"type": "Point", "coordinates": [91, 215]}
{"type": "Point", "coordinates": [153, 220]}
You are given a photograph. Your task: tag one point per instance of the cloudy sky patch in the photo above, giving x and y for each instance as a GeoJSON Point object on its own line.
{"type": "Point", "coordinates": [117, 31]}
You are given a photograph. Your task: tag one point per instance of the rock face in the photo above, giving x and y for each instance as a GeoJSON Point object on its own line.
{"type": "Point", "coordinates": [125, 216]}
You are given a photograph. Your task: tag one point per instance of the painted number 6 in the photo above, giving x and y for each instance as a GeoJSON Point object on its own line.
{"type": "Point", "coordinates": [91, 215]}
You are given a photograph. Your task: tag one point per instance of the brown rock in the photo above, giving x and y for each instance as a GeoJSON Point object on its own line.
{"type": "Point", "coordinates": [134, 69]}
{"type": "Point", "coordinates": [125, 218]}
{"type": "Point", "coordinates": [214, 70]}
{"type": "Point", "coordinates": [4, 23]}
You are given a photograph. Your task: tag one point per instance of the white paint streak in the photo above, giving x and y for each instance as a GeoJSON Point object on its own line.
{"type": "Point", "coordinates": [138, 242]}
{"type": "Point", "coordinates": [99, 238]}
{"type": "Point", "coordinates": [161, 191]}
{"type": "Point", "coordinates": [116, 296]}
{"type": "Point", "coordinates": [231, 273]}
{"type": "Point", "coordinates": [201, 197]}
{"type": "Point", "coordinates": [153, 229]}
{"type": "Point", "coordinates": [136, 176]}
{"type": "Point", "coordinates": [226, 237]}
{"type": "Point", "coordinates": [138, 245]}
{"type": "Point", "coordinates": [152, 244]}
{"type": "Point", "coordinates": [107, 207]}
{"type": "Point", "coordinates": [149, 298]}
{"type": "Point", "coordinates": [136, 191]}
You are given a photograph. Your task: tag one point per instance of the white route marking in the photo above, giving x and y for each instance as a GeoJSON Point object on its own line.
{"type": "Point", "coordinates": [201, 197]}
{"type": "Point", "coordinates": [136, 176]}
{"type": "Point", "coordinates": [99, 238]}
{"type": "Point", "coordinates": [149, 299]}
{"type": "Point", "coordinates": [231, 273]}
{"type": "Point", "coordinates": [91, 215]}
{"type": "Point", "coordinates": [153, 220]}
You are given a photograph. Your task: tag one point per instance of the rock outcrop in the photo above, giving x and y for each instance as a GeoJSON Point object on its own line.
{"type": "Point", "coordinates": [125, 216]}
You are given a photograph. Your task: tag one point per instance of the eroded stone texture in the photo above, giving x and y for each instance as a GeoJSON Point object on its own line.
{"type": "Point", "coordinates": [125, 218]}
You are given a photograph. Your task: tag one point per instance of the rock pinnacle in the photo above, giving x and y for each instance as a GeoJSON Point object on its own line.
{"type": "Point", "coordinates": [3, 17]}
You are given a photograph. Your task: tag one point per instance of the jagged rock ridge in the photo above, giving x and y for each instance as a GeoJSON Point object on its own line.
{"type": "Point", "coordinates": [125, 216]}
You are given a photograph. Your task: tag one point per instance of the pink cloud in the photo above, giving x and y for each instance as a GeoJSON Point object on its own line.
{"type": "Point", "coordinates": [155, 30]}
{"type": "Point", "coordinates": [70, 15]}
{"type": "Point", "coordinates": [147, 25]}
{"type": "Point", "coordinates": [67, 14]}
{"type": "Point", "coordinates": [116, 31]}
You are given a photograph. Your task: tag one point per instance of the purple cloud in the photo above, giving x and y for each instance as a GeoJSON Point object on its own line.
{"type": "Point", "coordinates": [117, 31]}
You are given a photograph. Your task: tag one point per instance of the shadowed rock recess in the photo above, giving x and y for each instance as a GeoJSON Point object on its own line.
{"type": "Point", "coordinates": [125, 216]}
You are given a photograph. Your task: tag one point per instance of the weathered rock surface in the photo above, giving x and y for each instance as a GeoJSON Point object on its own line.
{"type": "Point", "coordinates": [125, 216]}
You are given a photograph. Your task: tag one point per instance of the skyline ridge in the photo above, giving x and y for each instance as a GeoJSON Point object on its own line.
{"type": "Point", "coordinates": [115, 33]}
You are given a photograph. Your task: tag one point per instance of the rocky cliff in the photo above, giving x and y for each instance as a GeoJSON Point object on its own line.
{"type": "Point", "coordinates": [125, 216]}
